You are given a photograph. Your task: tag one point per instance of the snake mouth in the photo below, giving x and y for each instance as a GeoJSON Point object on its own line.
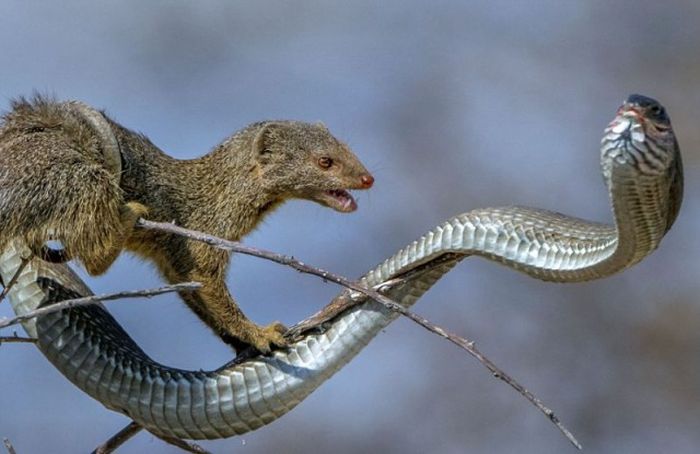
{"type": "Point", "coordinates": [627, 126]}
{"type": "Point", "coordinates": [632, 138]}
{"type": "Point", "coordinates": [338, 199]}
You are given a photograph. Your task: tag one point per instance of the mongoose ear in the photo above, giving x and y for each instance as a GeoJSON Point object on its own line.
{"type": "Point", "coordinates": [322, 125]}
{"type": "Point", "coordinates": [264, 138]}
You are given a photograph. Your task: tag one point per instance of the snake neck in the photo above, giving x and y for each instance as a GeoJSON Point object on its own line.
{"type": "Point", "coordinates": [643, 214]}
{"type": "Point", "coordinates": [554, 247]}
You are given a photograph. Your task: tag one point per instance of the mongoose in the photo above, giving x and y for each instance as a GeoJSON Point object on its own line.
{"type": "Point", "coordinates": [70, 173]}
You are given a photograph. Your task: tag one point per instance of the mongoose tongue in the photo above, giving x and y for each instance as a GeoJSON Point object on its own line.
{"type": "Point", "coordinates": [342, 200]}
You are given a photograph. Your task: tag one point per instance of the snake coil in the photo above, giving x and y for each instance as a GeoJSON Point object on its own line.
{"type": "Point", "coordinates": [642, 168]}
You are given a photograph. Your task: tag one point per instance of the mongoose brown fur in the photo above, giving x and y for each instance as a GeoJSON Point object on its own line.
{"type": "Point", "coordinates": [70, 173]}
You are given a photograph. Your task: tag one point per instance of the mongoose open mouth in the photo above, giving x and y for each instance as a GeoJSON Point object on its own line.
{"type": "Point", "coordinates": [338, 199]}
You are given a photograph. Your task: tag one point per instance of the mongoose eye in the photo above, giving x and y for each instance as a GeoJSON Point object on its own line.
{"type": "Point", "coordinates": [325, 162]}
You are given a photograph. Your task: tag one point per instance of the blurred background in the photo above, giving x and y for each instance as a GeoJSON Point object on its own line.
{"type": "Point", "coordinates": [453, 106]}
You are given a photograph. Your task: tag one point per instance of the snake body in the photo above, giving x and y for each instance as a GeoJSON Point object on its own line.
{"type": "Point", "coordinates": [641, 166]}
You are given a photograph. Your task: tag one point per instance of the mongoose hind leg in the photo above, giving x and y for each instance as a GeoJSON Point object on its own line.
{"type": "Point", "coordinates": [129, 213]}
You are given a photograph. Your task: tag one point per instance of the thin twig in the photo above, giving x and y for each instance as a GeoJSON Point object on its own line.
{"type": "Point", "coordinates": [131, 429]}
{"type": "Point", "coordinates": [118, 439]}
{"type": "Point", "coordinates": [8, 446]}
{"type": "Point", "coordinates": [184, 445]}
{"type": "Point", "coordinates": [92, 299]}
{"type": "Point", "coordinates": [17, 339]}
{"type": "Point", "coordinates": [461, 342]}
{"type": "Point", "coordinates": [6, 289]}
{"type": "Point", "coordinates": [470, 347]}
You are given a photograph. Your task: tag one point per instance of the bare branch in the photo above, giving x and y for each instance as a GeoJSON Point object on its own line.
{"type": "Point", "coordinates": [470, 347]}
{"type": "Point", "coordinates": [235, 246]}
{"type": "Point", "coordinates": [6, 289]}
{"type": "Point", "coordinates": [184, 445]}
{"type": "Point", "coordinates": [118, 439]}
{"type": "Point", "coordinates": [17, 339]}
{"type": "Point", "coordinates": [8, 446]}
{"type": "Point", "coordinates": [87, 300]}
{"type": "Point", "coordinates": [131, 429]}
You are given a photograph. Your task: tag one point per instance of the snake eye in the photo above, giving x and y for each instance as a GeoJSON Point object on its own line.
{"type": "Point", "coordinates": [325, 162]}
{"type": "Point", "coordinates": [657, 111]}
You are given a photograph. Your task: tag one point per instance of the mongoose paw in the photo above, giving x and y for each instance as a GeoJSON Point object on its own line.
{"type": "Point", "coordinates": [132, 211]}
{"type": "Point", "coordinates": [278, 327]}
{"type": "Point", "coordinates": [267, 337]}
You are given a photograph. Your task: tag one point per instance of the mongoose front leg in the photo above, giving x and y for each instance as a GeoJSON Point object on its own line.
{"type": "Point", "coordinates": [214, 304]}
{"type": "Point", "coordinates": [129, 213]}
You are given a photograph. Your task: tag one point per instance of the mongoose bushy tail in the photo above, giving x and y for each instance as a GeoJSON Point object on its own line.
{"type": "Point", "coordinates": [71, 174]}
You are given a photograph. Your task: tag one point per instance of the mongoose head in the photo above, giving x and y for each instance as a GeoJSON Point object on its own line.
{"type": "Point", "coordinates": [305, 161]}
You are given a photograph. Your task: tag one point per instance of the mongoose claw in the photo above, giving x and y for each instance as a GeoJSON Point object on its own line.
{"type": "Point", "coordinates": [271, 335]}
{"type": "Point", "coordinates": [278, 327]}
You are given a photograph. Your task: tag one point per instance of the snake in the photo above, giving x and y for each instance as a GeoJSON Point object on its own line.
{"type": "Point", "coordinates": [641, 166]}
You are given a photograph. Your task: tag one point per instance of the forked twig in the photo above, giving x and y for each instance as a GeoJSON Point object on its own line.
{"type": "Point", "coordinates": [92, 299]}
{"type": "Point", "coordinates": [131, 429]}
{"type": "Point", "coordinates": [469, 346]}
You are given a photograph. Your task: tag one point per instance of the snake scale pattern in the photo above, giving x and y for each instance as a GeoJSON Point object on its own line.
{"type": "Point", "coordinates": [641, 166]}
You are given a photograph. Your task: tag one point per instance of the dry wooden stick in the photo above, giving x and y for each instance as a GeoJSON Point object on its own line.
{"type": "Point", "coordinates": [461, 342]}
{"type": "Point", "coordinates": [118, 439]}
{"type": "Point", "coordinates": [131, 429]}
{"type": "Point", "coordinates": [184, 445]}
{"type": "Point", "coordinates": [469, 346]}
{"type": "Point", "coordinates": [17, 339]}
{"type": "Point", "coordinates": [92, 299]}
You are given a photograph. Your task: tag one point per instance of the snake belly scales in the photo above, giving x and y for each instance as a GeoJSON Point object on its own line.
{"type": "Point", "coordinates": [641, 166]}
